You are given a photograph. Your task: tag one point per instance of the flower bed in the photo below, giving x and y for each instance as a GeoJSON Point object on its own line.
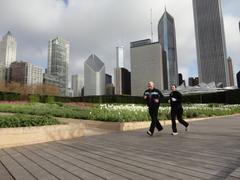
{"type": "Point", "coordinates": [117, 112]}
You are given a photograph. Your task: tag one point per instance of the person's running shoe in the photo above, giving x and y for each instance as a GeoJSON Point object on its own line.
{"type": "Point", "coordinates": [187, 128]}
{"type": "Point", "coordinates": [149, 133]}
{"type": "Point", "coordinates": [174, 133]}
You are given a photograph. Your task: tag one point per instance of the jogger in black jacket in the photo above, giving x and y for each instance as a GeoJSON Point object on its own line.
{"type": "Point", "coordinates": [176, 109]}
{"type": "Point", "coordinates": [152, 96]}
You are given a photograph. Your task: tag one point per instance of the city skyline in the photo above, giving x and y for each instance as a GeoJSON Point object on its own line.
{"type": "Point", "coordinates": [111, 27]}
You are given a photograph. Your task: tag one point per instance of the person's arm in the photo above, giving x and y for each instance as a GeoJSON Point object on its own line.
{"type": "Point", "coordinates": [145, 95]}
{"type": "Point", "coordinates": [158, 97]}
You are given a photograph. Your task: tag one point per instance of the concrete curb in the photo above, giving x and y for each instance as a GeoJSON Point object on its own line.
{"type": "Point", "coordinates": [10, 137]}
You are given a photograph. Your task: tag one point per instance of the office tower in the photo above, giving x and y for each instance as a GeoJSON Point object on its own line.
{"type": "Point", "coordinates": [146, 65]}
{"type": "Point", "coordinates": [123, 81]}
{"type": "Point", "coordinates": [238, 79]}
{"type": "Point", "coordinates": [8, 49]}
{"type": "Point", "coordinates": [94, 76]}
{"type": "Point", "coordinates": [26, 73]}
{"type": "Point", "coordinates": [193, 81]}
{"type": "Point", "coordinates": [58, 61]}
{"type": "Point", "coordinates": [108, 79]}
{"type": "Point", "coordinates": [230, 71]}
{"type": "Point", "coordinates": [77, 85]}
{"type": "Point", "coordinates": [167, 39]}
{"type": "Point", "coordinates": [210, 42]}
{"type": "Point", "coordinates": [120, 57]}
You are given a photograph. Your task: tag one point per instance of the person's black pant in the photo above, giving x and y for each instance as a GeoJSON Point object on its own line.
{"type": "Point", "coordinates": [153, 111]}
{"type": "Point", "coordinates": [178, 112]}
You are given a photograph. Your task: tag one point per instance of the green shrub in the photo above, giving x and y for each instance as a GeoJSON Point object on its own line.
{"type": "Point", "coordinates": [20, 120]}
{"type": "Point", "coordinates": [34, 98]}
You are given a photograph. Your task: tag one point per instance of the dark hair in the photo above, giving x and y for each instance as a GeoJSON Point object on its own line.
{"type": "Point", "coordinates": [174, 85]}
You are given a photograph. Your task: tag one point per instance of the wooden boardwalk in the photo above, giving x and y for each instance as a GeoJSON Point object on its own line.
{"type": "Point", "coordinates": [210, 150]}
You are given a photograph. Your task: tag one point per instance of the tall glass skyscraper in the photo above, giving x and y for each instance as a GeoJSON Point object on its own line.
{"type": "Point", "coordinates": [210, 42]}
{"type": "Point", "coordinates": [8, 50]}
{"type": "Point", "coordinates": [167, 38]}
{"type": "Point", "coordinates": [58, 61]}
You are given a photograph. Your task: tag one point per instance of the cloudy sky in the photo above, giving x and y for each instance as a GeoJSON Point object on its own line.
{"type": "Point", "coordinates": [98, 26]}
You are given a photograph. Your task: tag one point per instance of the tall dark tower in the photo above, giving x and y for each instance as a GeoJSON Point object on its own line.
{"type": "Point", "coordinates": [210, 42]}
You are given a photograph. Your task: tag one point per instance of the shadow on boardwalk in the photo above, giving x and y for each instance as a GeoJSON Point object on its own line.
{"type": "Point", "coordinates": [210, 150]}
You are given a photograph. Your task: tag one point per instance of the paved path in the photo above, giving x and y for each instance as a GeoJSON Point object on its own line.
{"type": "Point", "coordinates": [210, 150]}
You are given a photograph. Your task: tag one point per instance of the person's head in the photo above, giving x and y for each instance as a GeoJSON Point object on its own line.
{"type": "Point", "coordinates": [173, 87]}
{"type": "Point", "coordinates": [150, 85]}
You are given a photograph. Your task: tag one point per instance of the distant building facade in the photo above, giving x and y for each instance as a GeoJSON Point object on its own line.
{"type": "Point", "coordinates": [94, 76]}
{"type": "Point", "coordinates": [58, 62]}
{"type": "Point", "coordinates": [230, 71]}
{"type": "Point", "coordinates": [122, 81]}
{"type": "Point", "coordinates": [193, 81]}
{"type": "Point", "coordinates": [26, 73]}
{"type": "Point", "coordinates": [210, 42]}
{"type": "Point", "coordinates": [8, 50]}
{"type": "Point", "coordinates": [3, 73]}
{"type": "Point", "coordinates": [120, 57]}
{"type": "Point", "coordinates": [146, 65]}
{"type": "Point", "coordinates": [167, 39]}
{"type": "Point", "coordinates": [77, 85]}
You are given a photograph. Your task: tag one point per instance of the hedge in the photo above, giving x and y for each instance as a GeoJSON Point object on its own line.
{"type": "Point", "coordinates": [225, 97]}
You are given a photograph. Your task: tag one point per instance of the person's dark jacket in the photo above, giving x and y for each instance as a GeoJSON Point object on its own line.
{"type": "Point", "coordinates": [152, 95]}
{"type": "Point", "coordinates": [175, 99]}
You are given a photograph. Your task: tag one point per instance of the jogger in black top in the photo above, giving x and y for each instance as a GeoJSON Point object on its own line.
{"type": "Point", "coordinates": [152, 96]}
{"type": "Point", "coordinates": [176, 109]}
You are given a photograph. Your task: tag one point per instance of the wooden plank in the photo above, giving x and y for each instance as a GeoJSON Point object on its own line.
{"type": "Point", "coordinates": [31, 166]}
{"type": "Point", "coordinates": [4, 174]}
{"type": "Point", "coordinates": [17, 171]}
{"type": "Point", "coordinates": [55, 169]}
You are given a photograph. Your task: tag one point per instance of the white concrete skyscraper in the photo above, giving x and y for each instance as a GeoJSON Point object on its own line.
{"type": "Point", "coordinates": [58, 62]}
{"type": "Point", "coordinates": [146, 65]}
{"type": "Point", "coordinates": [210, 42]}
{"type": "Point", "coordinates": [8, 50]}
{"type": "Point", "coordinates": [167, 38]}
{"type": "Point", "coordinates": [94, 76]}
{"type": "Point", "coordinates": [120, 57]}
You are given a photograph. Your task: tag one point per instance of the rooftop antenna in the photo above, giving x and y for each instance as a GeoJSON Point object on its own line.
{"type": "Point", "coordinates": [151, 23]}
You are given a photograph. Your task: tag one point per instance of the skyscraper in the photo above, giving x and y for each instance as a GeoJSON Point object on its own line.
{"type": "Point", "coordinates": [146, 65]}
{"type": "Point", "coordinates": [210, 42]}
{"type": "Point", "coordinates": [94, 76]}
{"type": "Point", "coordinates": [230, 71]}
{"type": "Point", "coordinates": [123, 81]}
{"type": "Point", "coordinates": [58, 61]}
{"type": "Point", "coordinates": [26, 73]}
{"type": "Point", "coordinates": [77, 85]}
{"type": "Point", "coordinates": [120, 57]}
{"type": "Point", "coordinates": [167, 39]}
{"type": "Point", "coordinates": [8, 49]}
